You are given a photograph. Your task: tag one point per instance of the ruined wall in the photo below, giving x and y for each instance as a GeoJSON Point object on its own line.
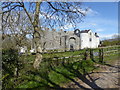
{"type": "Point", "coordinates": [67, 40]}
{"type": "Point", "coordinates": [53, 39]}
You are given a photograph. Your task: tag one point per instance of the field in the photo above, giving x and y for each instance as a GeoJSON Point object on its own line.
{"type": "Point", "coordinates": [56, 69]}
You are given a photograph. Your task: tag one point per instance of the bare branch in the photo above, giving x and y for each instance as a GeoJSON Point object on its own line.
{"type": "Point", "coordinates": [12, 8]}
{"type": "Point", "coordinates": [61, 9]}
{"type": "Point", "coordinates": [27, 13]}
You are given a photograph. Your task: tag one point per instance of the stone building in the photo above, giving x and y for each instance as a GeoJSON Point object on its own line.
{"type": "Point", "coordinates": [68, 40]}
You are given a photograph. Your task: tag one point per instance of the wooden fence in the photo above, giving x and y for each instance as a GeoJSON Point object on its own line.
{"type": "Point", "coordinates": [96, 55]}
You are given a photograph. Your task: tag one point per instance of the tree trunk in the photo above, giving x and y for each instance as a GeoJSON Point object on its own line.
{"type": "Point", "coordinates": [38, 58]}
{"type": "Point", "coordinates": [37, 61]}
{"type": "Point", "coordinates": [37, 37]}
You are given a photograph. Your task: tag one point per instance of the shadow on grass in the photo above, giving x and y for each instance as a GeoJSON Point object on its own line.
{"type": "Point", "coordinates": [49, 65]}
{"type": "Point", "coordinates": [68, 77]}
{"type": "Point", "coordinates": [83, 78]}
{"type": "Point", "coordinates": [44, 84]}
{"type": "Point", "coordinates": [51, 84]}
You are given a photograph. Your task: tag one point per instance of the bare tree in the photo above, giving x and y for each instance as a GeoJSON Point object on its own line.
{"type": "Point", "coordinates": [16, 26]}
{"type": "Point", "coordinates": [40, 14]}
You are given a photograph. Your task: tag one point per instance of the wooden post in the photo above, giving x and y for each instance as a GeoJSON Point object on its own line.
{"type": "Point", "coordinates": [101, 55]}
{"type": "Point", "coordinates": [91, 55]}
{"type": "Point", "coordinates": [86, 55]}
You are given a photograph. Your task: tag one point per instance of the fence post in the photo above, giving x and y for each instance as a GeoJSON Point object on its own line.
{"type": "Point", "coordinates": [101, 55]}
{"type": "Point", "coordinates": [91, 55]}
{"type": "Point", "coordinates": [85, 55]}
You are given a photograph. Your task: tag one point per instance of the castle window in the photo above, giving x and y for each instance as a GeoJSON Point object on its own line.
{"type": "Point", "coordinates": [90, 33]}
{"type": "Point", "coordinates": [90, 39]}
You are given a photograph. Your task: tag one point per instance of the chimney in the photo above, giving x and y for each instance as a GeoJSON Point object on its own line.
{"type": "Point", "coordinates": [65, 31]}
{"type": "Point", "coordinates": [53, 29]}
{"type": "Point", "coordinates": [61, 30]}
{"type": "Point", "coordinates": [95, 33]}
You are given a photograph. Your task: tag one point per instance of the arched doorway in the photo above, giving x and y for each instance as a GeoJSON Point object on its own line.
{"type": "Point", "coordinates": [72, 43]}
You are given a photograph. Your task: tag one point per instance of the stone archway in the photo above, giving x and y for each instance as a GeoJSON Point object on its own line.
{"type": "Point", "coordinates": [72, 43]}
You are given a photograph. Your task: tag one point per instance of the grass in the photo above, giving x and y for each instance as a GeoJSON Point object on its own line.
{"type": "Point", "coordinates": [59, 78]}
{"type": "Point", "coordinates": [111, 58]}
{"type": "Point", "coordinates": [55, 73]}
{"type": "Point", "coordinates": [58, 74]}
{"type": "Point", "coordinates": [63, 54]}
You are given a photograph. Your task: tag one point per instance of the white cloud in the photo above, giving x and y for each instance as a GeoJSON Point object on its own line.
{"type": "Point", "coordinates": [68, 26]}
{"type": "Point", "coordinates": [88, 12]}
{"type": "Point", "coordinates": [100, 30]}
{"type": "Point", "coordinates": [92, 12]}
{"type": "Point", "coordinates": [94, 24]}
{"type": "Point", "coordinates": [103, 21]}
{"type": "Point", "coordinates": [107, 36]}
{"type": "Point", "coordinates": [99, 24]}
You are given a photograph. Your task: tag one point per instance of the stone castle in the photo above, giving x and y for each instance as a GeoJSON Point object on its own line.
{"type": "Point", "coordinates": [68, 40]}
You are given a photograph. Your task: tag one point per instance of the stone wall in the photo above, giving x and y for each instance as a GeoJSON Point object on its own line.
{"type": "Point", "coordinates": [68, 40]}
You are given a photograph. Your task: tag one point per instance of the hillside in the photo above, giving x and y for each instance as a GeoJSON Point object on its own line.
{"type": "Point", "coordinates": [110, 42]}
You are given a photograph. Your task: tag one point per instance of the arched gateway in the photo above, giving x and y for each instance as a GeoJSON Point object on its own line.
{"type": "Point", "coordinates": [72, 43]}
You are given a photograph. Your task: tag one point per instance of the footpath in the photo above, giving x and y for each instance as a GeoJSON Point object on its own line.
{"type": "Point", "coordinates": [108, 76]}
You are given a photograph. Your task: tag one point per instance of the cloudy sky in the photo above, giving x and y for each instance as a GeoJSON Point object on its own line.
{"type": "Point", "coordinates": [102, 18]}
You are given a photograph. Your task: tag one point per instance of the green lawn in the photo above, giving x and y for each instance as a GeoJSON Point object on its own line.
{"type": "Point", "coordinates": [56, 73]}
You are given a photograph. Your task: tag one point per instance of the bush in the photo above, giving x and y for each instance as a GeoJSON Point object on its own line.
{"type": "Point", "coordinates": [9, 60]}
{"type": "Point", "coordinates": [10, 66]}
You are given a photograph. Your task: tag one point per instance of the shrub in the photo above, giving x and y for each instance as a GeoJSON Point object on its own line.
{"type": "Point", "coordinates": [10, 66]}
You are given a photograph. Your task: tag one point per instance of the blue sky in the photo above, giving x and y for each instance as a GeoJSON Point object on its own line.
{"type": "Point", "coordinates": [101, 18]}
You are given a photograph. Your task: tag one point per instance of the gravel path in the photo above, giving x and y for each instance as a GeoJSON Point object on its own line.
{"type": "Point", "coordinates": [107, 77]}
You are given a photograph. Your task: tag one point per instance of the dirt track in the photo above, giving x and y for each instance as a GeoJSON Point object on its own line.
{"type": "Point", "coordinates": [107, 77]}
